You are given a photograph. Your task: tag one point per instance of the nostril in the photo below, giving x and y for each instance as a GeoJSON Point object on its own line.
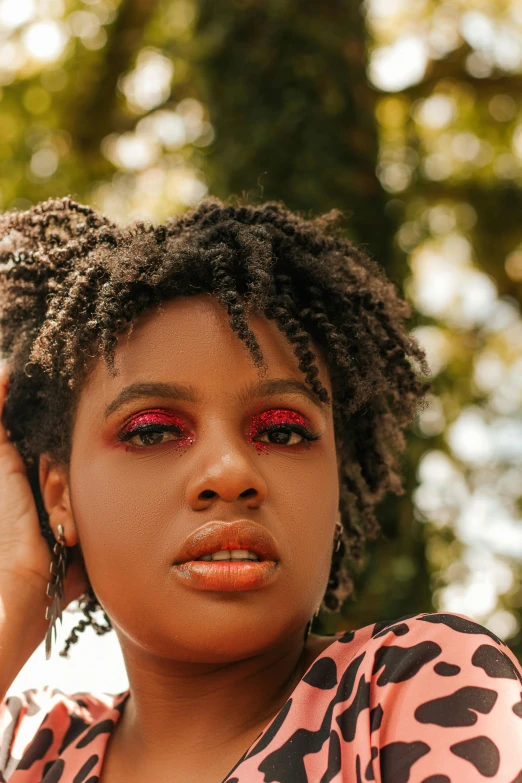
{"type": "Point", "coordinates": [248, 492]}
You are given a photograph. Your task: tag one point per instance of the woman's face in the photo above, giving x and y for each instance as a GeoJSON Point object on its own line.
{"type": "Point", "coordinates": [135, 501]}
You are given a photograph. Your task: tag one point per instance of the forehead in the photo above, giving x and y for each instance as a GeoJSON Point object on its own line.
{"type": "Point", "coordinates": [190, 340]}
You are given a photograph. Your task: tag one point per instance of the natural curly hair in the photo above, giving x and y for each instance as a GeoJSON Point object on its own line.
{"type": "Point", "coordinates": [71, 280]}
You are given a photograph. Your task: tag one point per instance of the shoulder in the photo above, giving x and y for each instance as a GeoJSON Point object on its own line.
{"type": "Point", "coordinates": [34, 705]}
{"type": "Point", "coordinates": [426, 677]}
{"type": "Point", "coordinates": [435, 633]}
{"type": "Point", "coordinates": [40, 716]}
{"type": "Point", "coordinates": [37, 702]}
{"type": "Point", "coordinates": [399, 649]}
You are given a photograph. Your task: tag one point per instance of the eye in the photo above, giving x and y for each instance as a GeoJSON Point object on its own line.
{"type": "Point", "coordinates": [276, 428]}
{"type": "Point", "coordinates": [283, 435]}
{"type": "Point", "coordinates": [152, 428]}
{"type": "Point", "coordinates": [281, 427]}
{"type": "Point", "coordinates": [150, 434]}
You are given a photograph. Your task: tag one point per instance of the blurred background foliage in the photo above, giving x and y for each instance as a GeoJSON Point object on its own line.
{"type": "Point", "coordinates": [406, 115]}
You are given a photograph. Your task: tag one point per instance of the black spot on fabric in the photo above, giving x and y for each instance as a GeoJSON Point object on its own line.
{"type": "Point", "coordinates": [37, 749]}
{"type": "Point", "coordinates": [286, 763]}
{"type": "Point", "coordinates": [94, 779]}
{"type": "Point", "coordinates": [494, 662]}
{"type": "Point", "coordinates": [446, 669]}
{"type": "Point", "coordinates": [334, 758]}
{"type": "Point", "coordinates": [85, 769]}
{"type": "Point", "coordinates": [347, 720]}
{"type": "Point", "coordinates": [481, 752]}
{"type": "Point", "coordinates": [382, 624]}
{"type": "Point", "coordinates": [76, 726]}
{"type": "Point", "coordinates": [459, 624]}
{"type": "Point", "coordinates": [358, 769]}
{"type": "Point", "coordinates": [103, 727]}
{"type": "Point", "coordinates": [437, 779]}
{"type": "Point", "coordinates": [121, 706]}
{"type": "Point", "coordinates": [517, 708]}
{"type": "Point", "coordinates": [376, 718]}
{"type": "Point", "coordinates": [323, 674]}
{"type": "Point", "coordinates": [397, 759]}
{"type": "Point", "coordinates": [232, 780]}
{"type": "Point", "coordinates": [457, 709]}
{"type": "Point", "coordinates": [403, 663]}
{"type": "Point", "coordinates": [47, 767]}
{"type": "Point", "coordinates": [236, 765]}
{"type": "Point", "coordinates": [518, 778]}
{"type": "Point", "coordinates": [399, 630]}
{"type": "Point", "coordinates": [347, 637]}
{"type": "Point", "coordinates": [271, 732]}
{"type": "Point", "coordinates": [55, 772]}
{"type": "Point", "coordinates": [368, 775]}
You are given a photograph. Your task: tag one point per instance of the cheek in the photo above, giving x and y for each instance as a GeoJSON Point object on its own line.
{"type": "Point", "coordinates": [308, 513]}
{"type": "Point", "coordinates": [121, 520]}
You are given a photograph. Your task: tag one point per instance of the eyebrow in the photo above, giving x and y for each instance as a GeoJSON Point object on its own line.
{"type": "Point", "coordinates": [182, 392]}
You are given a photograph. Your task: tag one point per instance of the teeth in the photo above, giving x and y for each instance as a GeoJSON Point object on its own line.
{"type": "Point", "coordinates": [243, 554]}
{"type": "Point", "coordinates": [234, 554]}
{"type": "Point", "coordinates": [223, 554]}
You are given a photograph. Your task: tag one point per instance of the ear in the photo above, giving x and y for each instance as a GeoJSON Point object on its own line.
{"type": "Point", "coordinates": [54, 486]}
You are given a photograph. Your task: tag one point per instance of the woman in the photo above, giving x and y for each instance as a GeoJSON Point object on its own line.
{"type": "Point", "coordinates": [207, 499]}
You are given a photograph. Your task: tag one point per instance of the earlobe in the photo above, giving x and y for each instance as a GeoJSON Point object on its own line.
{"type": "Point", "coordinates": [54, 486]}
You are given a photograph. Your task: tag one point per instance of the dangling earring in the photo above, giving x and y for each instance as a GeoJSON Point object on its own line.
{"type": "Point", "coordinates": [338, 532]}
{"type": "Point", "coordinates": [310, 622]}
{"type": "Point", "coordinates": [55, 589]}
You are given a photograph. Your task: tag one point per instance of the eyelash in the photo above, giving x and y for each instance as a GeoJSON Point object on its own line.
{"type": "Point", "coordinates": [308, 435]}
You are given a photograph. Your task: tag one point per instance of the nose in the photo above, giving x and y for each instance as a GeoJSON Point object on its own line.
{"type": "Point", "coordinates": [226, 470]}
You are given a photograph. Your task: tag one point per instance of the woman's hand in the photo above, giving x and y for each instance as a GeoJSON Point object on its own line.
{"type": "Point", "coordinates": [24, 554]}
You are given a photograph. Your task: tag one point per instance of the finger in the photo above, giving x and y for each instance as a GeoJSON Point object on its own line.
{"type": "Point", "coordinates": [5, 371]}
{"type": "Point", "coordinates": [4, 381]}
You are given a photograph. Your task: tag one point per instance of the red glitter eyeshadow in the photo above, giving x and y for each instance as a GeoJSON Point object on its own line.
{"type": "Point", "coordinates": [163, 422]}
{"type": "Point", "coordinates": [268, 422]}
{"type": "Point", "coordinates": [274, 418]}
{"type": "Point", "coordinates": [154, 417]}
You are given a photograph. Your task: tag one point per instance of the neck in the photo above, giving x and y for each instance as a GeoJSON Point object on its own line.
{"type": "Point", "coordinates": [229, 703]}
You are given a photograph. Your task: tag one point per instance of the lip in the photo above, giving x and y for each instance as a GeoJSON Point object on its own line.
{"type": "Point", "coordinates": [228, 575]}
{"type": "Point", "coordinates": [217, 535]}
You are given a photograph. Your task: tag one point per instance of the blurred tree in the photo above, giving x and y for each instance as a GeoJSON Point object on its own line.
{"type": "Point", "coordinates": [286, 88]}
{"type": "Point", "coordinates": [450, 158]}
{"type": "Point", "coordinates": [98, 98]}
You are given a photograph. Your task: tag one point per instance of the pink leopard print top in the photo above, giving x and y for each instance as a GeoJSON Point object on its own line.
{"type": "Point", "coordinates": [432, 698]}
